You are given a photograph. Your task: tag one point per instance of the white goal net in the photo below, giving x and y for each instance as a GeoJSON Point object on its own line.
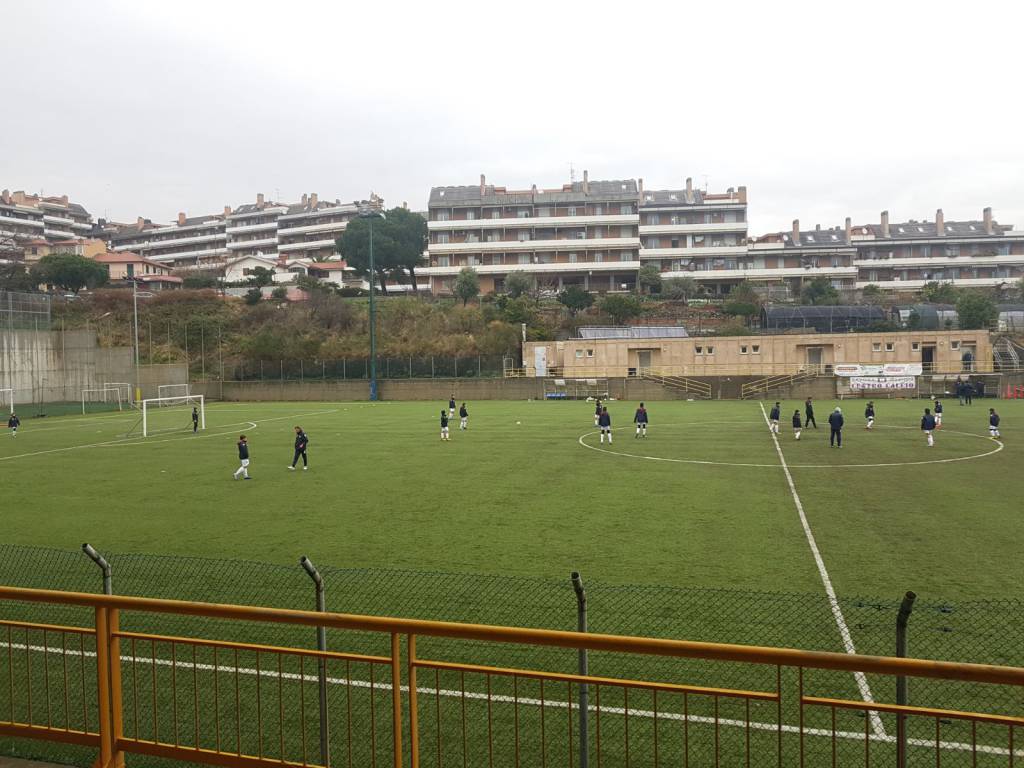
{"type": "Point", "coordinates": [101, 399]}
{"type": "Point", "coordinates": [170, 414]}
{"type": "Point", "coordinates": [7, 400]}
{"type": "Point", "coordinates": [171, 394]}
{"type": "Point", "coordinates": [124, 387]}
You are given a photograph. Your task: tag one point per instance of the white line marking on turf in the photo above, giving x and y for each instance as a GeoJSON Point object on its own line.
{"type": "Point", "coordinates": [504, 699]}
{"type": "Point", "coordinates": [833, 601]}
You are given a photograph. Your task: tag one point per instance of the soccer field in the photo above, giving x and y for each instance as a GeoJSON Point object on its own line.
{"type": "Point", "coordinates": [528, 490]}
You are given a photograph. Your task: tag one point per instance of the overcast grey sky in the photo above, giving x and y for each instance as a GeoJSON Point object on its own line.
{"type": "Point", "coordinates": [822, 110]}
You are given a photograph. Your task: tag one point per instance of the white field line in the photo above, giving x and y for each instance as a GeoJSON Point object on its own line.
{"type": "Point", "coordinates": [135, 441]}
{"type": "Point", "coordinates": [527, 701]}
{"type": "Point", "coordinates": [837, 612]}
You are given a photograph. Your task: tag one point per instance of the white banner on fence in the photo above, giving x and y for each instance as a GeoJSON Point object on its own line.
{"type": "Point", "coordinates": [882, 382]}
{"type": "Point", "coordinates": [889, 369]}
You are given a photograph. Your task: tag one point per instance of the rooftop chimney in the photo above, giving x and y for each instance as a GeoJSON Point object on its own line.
{"type": "Point", "coordinates": [849, 231]}
{"type": "Point", "coordinates": [64, 199]}
{"type": "Point", "coordinates": [259, 201]}
{"type": "Point", "coordinates": [405, 204]}
{"type": "Point", "coordinates": [795, 234]}
{"type": "Point", "coordinates": [640, 186]}
{"type": "Point", "coordinates": [940, 223]}
{"type": "Point", "coordinates": [742, 194]}
{"type": "Point", "coordinates": [483, 184]}
{"type": "Point", "coordinates": [305, 198]}
{"type": "Point", "coordinates": [533, 188]}
{"type": "Point", "coordinates": [987, 216]}
{"type": "Point", "coordinates": [5, 196]}
{"type": "Point", "coordinates": [885, 223]}
{"type": "Point", "coordinates": [181, 218]}
{"type": "Point", "coordinates": [817, 227]}
{"type": "Point", "coordinates": [586, 182]}
{"type": "Point", "coordinates": [140, 223]}
{"type": "Point", "coordinates": [227, 211]}
{"type": "Point", "coordinates": [689, 189]}
{"type": "Point", "coordinates": [313, 199]}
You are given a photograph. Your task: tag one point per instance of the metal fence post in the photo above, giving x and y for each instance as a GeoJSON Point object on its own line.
{"type": "Point", "coordinates": [581, 626]}
{"type": "Point", "coordinates": [902, 618]}
{"type": "Point", "coordinates": [321, 645]}
{"type": "Point", "coordinates": [97, 558]}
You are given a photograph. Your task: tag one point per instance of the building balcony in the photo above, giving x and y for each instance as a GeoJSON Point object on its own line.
{"type": "Point", "coordinates": [683, 253]}
{"type": "Point", "coordinates": [241, 229]}
{"type": "Point", "coordinates": [762, 273]}
{"type": "Point", "coordinates": [60, 221]}
{"type": "Point", "coordinates": [578, 267]}
{"type": "Point", "coordinates": [310, 245]}
{"type": "Point", "coordinates": [23, 222]}
{"type": "Point", "coordinates": [148, 245]}
{"type": "Point", "coordinates": [928, 262]}
{"type": "Point", "coordinates": [916, 285]}
{"type": "Point", "coordinates": [60, 234]}
{"type": "Point", "coordinates": [682, 229]}
{"type": "Point", "coordinates": [610, 219]}
{"type": "Point", "coordinates": [331, 226]}
{"type": "Point", "coordinates": [566, 244]}
{"type": "Point", "coordinates": [681, 206]}
{"type": "Point", "coordinates": [198, 254]}
{"type": "Point", "coordinates": [260, 243]}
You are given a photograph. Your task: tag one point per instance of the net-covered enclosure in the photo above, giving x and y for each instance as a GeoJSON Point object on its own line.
{"type": "Point", "coordinates": [1011, 317]}
{"type": "Point", "coordinates": [926, 317]}
{"type": "Point", "coordinates": [822, 319]}
{"type": "Point", "coordinates": [25, 311]}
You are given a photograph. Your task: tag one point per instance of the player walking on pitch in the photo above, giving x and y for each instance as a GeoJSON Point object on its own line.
{"type": "Point", "coordinates": [301, 441]}
{"type": "Point", "coordinates": [605, 423]}
{"type": "Point", "coordinates": [451, 407]}
{"type": "Point", "coordinates": [463, 417]}
{"type": "Point", "coordinates": [993, 423]}
{"type": "Point", "coordinates": [640, 419]}
{"type": "Point", "coordinates": [243, 457]}
{"type": "Point", "coordinates": [938, 414]}
{"type": "Point", "coordinates": [444, 424]}
{"type": "Point", "coordinates": [809, 413]}
{"type": "Point", "coordinates": [597, 413]}
{"type": "Point", "coordinates": [928, 426]}
{"type": "Point", "coordinates": [796, 424]}
{"type": "Point", "coordinates": [869, 415]}
{"type": "Point", "coordinates": [195, 420]}
{"type": "Point", "coordinates": [835, 423]}
{"type": "Point", "coordinates": [13, 423]}
{"type": "Point", "coordinates": [773, 418]}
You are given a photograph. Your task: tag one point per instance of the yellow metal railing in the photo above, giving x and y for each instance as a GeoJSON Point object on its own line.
{"type": "Point", "coordinates": [234, 704]}
{"type": "Point", "coordinates": [674, 381]}
{"type": "Point", "coordinates": [763, 386]}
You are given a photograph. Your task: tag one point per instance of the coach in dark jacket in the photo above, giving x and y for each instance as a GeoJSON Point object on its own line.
{"type": "Point", "coordinates": [835, 422]}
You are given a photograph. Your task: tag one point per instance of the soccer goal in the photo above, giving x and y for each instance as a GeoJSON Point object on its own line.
{"type": "Point", "coordinates": [170, 414]}
{"type": "Point", "coordinates": [7, 400]}
{"type": "Point", "coordinates": [102, 398]}
{"type": "Point", "coordinates": [171, 394]}
{"type": "Point", "coordinates": [124, 387]}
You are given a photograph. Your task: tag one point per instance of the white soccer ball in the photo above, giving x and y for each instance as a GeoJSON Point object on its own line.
{"type": "Point", "coordinates": [519, 422]}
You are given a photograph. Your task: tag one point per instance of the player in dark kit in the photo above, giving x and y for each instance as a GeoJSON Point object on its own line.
{"type": "Point", "coordinates": [928, 426]}
{"type": "Point", "coordinates": [243, 458]}
{"type": "Point", "coordinates": [451, 407]}
{"type": "Point", "coordinates": [301, 441]}
{"type": "Point", "coordinates": [444, 424]}
{"type": "Point", "coordinates": [597, 412]}
{"type": "Point", "coordinates": [869, 416]}
{"type": "Point", "coordinates": [13, 423]}
{"type": "Point", "coordinates": [835, 423]}
{"type": "Point", "coordinates": [463, 417]}
{"type": "Point", "coordinates": [809, 413]}
{"type": "Point", "coordinates": [993, 423]}
{"type": "Point", "coordinates": [605, 423]}
{"type": "Point", "coordinates": [796, 425]}
{"type": "Point", "coordinates": [938, 414]}
{"type": "Point", "coordinates": [195, 419]}
{"type": "Point", "coordinates": [640, 419]}
{"type": "Point", "coordinates": [773, 419]}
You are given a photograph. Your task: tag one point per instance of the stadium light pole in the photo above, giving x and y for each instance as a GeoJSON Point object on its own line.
{"type": "Point", "coordinates": [371, 214]}
{"type": "Point", "coordinates": [135, 311]}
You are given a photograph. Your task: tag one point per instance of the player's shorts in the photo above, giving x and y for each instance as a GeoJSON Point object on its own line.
{"type": "Point", "coordinates": [938, 418]}
{"type": "Point", "coordinates": [927, 431]}
{"type": "Point", "coordinates": [444, 430]}
{"type": "Point", "coordinates": [606, 429]}
{"type": "Point", "coordinates": [871, 419]}
{"type": "Point", "coordinates": [245, 462]}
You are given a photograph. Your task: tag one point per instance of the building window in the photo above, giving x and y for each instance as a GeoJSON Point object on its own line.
{"type": "Point", "coordinates": [523, 236]}
{"type": "Point", "coordinates": [625, 256]}
{"type": "Point", "coordinates": [442, 238]}
{"type": "Point", "coordinates": [590, 353]}
{"type": "Point", "coordinates": [653, 218]}
{"type": "Point", "coordinates": [495, 214]}
{"type": "Point", "coordinates": [523, 214]}
{"type": "Point", "coordinates": [572, 258]}
{"type": "Point", "coordinates": [954, 345]}
{"type": "Point", "coordinates": [443, 261]}
{"type": "Point", "coordinates": [743, 349]}
{"type": "Point", "coordinates": [442, 215]}
{"type": "Point", "coordinates": [598, 210]}
{"type": "Point", "coordinates": [625, 209]}
{"type": "Point", "coordinates": [876, 346]}
{"type": "Point", "coordinates": [698, 350]}
{"type": "Point", "coordinates": [915, 346]}
{"type": "Point", "coordinates": [571, 211]}
{"type": "Point", "coordinates": [598, 255]}
{"type": "Point", "coordinates": [756, 349]}
{"type": "Point", "coordinates": [581, 235]}
{"type": "Point", "coordinates": [711, 350]}
{"type": "Point", "coordinates": [524, 258]}
{"type": "Point", "coordinates": [889, 346]}
{"type": "Point", "coordinates": [579, 354]}
{"type": "Point", "coordinates": [544, 211]}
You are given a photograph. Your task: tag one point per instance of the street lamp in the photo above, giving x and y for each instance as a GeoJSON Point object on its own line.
{"type": "Point", "coordinates": [136, 295]}
{"type": "Point", "coordinates": [371, 214]}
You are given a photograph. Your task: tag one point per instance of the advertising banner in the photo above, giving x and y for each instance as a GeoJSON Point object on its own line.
{"type": "Point", "coordinates": [882, 382]}
{"type": "Point", "coordinates": [889, 369]}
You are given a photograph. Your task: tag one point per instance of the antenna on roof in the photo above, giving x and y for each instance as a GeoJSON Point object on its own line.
{"type": "Point", "coordinates": [572, 173]}
{"type": "Point", "coordinates": [705, 183]}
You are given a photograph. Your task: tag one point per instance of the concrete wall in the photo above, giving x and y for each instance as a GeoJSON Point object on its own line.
{"type": "Point", "coordinates": [55, 366]}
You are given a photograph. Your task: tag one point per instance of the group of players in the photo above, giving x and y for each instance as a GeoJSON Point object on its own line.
{"type": "Point", "coordinates": [930, 421]}
{"type": "Point", "coordinates": [448, 415]}
{"type": "Point", "coordinates": [603, 420]}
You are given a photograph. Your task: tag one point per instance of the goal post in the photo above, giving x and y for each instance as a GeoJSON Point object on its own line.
{"type": "Point", "coordinates": [106, 395]}
{"type": "Point", "coordinates": [7, 399]}
{"type": "Point", "coordinates": [124, 387]}
{"type": "Point", "coordinates": [169, 414]}
{"type": "Point", "coordinates": [169, 393]}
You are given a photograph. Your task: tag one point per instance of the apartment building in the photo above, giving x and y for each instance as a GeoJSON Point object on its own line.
{"type": "Point", "coordinates": [787, 259]}
{"type": "Point", "coordinates": [584, 233]}
{"type": "Point", "coordinates": [690, 232]}
{"type": "Point", "coordinates": [904, 256]}
{"type": "Point", "coordinates": [25, 216]}
{"type": "Point", "coordinates": [195, 242]}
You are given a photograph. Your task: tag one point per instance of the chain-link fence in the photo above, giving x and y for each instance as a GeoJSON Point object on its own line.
{"type": "Point", "coordinates": [984, 631]}
{"type": "Point", "coordinates": [434, 367]}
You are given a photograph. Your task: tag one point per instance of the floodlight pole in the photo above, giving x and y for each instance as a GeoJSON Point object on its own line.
{"type": "Point", "coordinates": [371, 214]}
{"type": "Point", "coordinates": [135, 312]}
{"type": "Point", "coordinates": [321, 645]}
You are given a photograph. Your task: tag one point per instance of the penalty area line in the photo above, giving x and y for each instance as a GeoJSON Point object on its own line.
{"type": "Point", "coordinates": [833, 601]}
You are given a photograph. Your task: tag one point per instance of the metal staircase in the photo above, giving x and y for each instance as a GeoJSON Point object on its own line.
{"type": "Point", "coordinates": [679, 383]}
{"type": "Point", "coordinates": [761, 387]}
{"type": "Point", "coordinates": [1005, 355]}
